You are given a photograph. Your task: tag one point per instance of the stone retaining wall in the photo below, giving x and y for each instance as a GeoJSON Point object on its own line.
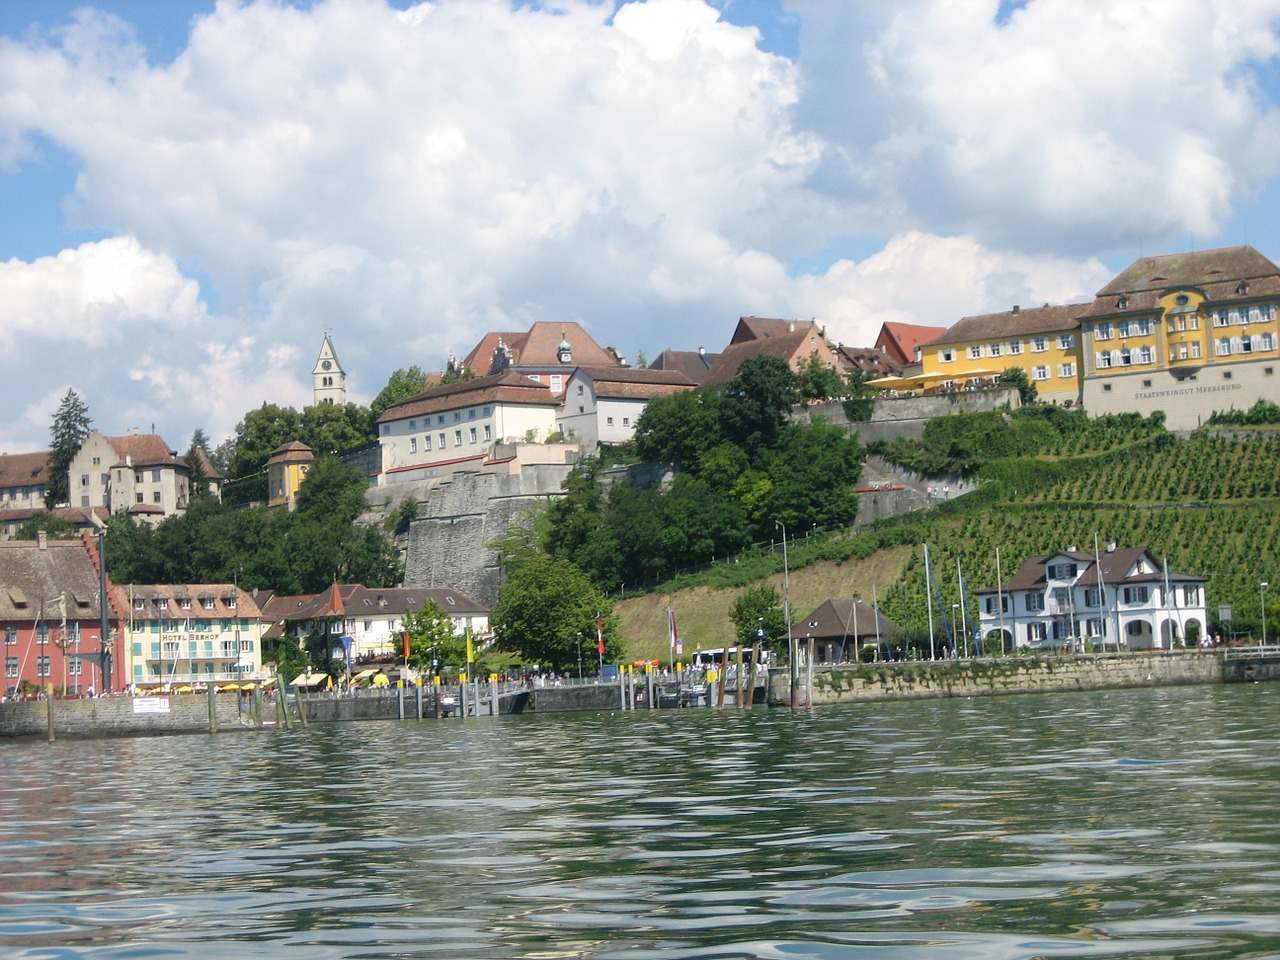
{"type": "Point", "coordinates": [117, 716]}
{"type": "Point", "coordinates": [969, 678]}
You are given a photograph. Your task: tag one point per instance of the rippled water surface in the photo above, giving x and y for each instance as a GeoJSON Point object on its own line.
{"type": "Point", "coordinates": [1135, 824]}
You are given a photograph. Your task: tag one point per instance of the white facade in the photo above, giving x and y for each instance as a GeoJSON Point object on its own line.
{"type": "Point", "coordinates": [602, 405]}
{"type": "Point", "coordinates": [328, 379]}
{"type": "Point", "coordinates": [464, 424]}
{"type": "Point", "coordinates": [1119, 599]}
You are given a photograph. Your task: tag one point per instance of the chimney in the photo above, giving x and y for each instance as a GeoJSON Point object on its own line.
{"type": "Point", "coordinates": [1111, 546]}
{"type": "Point", "coordinates": [702, 351]}
{"type": "Point", "coordinates": [42, 538]}
{"type": "Point", "coordinates": [1016, 308]}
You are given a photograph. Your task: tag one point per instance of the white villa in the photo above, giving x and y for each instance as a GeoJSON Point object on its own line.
{"type": "Point", "coordinates": [1121, 598]}
{"type": "Point", "coordinates": [472, 424]}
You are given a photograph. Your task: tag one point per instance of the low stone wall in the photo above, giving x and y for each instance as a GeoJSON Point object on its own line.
{"type": "Point", "coordinates": [972, 678]}
{"type": "Point", "coordinates": [602, 696]}
{"type": "Point", "coordinates": [118, 716]}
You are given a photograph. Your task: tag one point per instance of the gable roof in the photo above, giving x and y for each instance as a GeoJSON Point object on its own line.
{"type": "Point", "coordinates": [1215, 273]}
{"type": "Point", "coordinates": [295, 451]}
{"type": "Point", "coordinates": [24, 469]}
{"type": "Point", "coordinates": [34, 576]}
{"type": "Point", "coordinates": [144, 450]}
{"type": "Point", "coordinates": [694, 364]}
{"type": "Point", "coordinates": [761, 328]}
{"type": "Point", "coordinates": [508, 387]}
{"type": "Point", "coordinates": [219, 593]}
{"type": "Point", "coordinates": [899, 340]}
{"type": "Point", "coordinates": [835, 619]}
{"type": "Point", "coordinates": [539, 347]}
{"type": "Point", "coordinates": [397, 601]}
{"type": "Point", "coordinates": [1017, 322]}
{"type": "Point", "coordinates": [625, 383]}
{"type": "Point", "coordinates": [1116, 565]}
{"type": "Point", "coordinates": [869, 360]}
{"type": "Point", "coordinates": [787, 346]}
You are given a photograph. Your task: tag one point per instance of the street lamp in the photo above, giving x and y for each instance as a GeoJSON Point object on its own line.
{"type": "Point", "coordinates": [857, 641]}
{"type": "Point", "coordinates": [1263, 592]}
{"type": "Point", "coordinates": [579, 656]}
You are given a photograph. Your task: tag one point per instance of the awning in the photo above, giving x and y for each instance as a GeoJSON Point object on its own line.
{"type": "Point", "coordinates": [381, 680]}
{"type": "Point", "coordinates": [364, 674]}
{"type": "Point", "coordinates": [228, 686]}
{"type": "Point", "coordinates": [310, 680]}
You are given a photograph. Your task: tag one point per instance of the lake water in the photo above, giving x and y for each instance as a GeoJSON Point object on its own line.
{"type": "Point", "coordinates": [1134, 824]}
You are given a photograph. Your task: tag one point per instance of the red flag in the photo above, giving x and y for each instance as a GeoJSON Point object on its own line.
{"type": "Point", "coordinates": [599, 635]}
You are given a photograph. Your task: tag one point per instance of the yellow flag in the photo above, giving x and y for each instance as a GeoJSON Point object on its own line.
{"type": "Point", "coordinates": [471, 650]}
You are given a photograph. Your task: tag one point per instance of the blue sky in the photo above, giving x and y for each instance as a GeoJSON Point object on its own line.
{"type": "Point", "coordinates": [195, 192]}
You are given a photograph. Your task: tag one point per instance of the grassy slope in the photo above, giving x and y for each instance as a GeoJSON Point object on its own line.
{"type": "Point", "coordinates": [702, 613]}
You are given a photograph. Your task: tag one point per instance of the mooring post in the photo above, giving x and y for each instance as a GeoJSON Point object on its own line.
{"type": "Point", "coordinates": [213, 710]}
{"type": "Point", "coordinates": [302, 707]}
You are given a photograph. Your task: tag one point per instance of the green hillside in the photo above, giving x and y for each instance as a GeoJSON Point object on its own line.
{"type": "Point", "coordinates": [1210, 504]}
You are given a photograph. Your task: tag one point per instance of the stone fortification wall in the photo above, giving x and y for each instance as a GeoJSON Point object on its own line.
{"type": "Point", "coordinates": [118, 716]}
{"type": "Point", "coordinates": [905, 417]}
{"type": "Point", "coordinates": [460, 515]}
{"type": "Point", "coordinates": [969, 678]}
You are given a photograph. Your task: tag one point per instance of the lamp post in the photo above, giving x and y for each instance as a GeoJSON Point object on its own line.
{"type": "Point", "coordinates": [857, 640]}
{"type": "Point", "coordinates": [786, 612]}
{"type": "Point", "coordinates": [1263, 592]}
{"type": "Point", "coordinates": [580, 657]}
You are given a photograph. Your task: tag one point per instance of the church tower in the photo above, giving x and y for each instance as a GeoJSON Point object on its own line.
{"type": "Point", "coordinates": [329, 382]}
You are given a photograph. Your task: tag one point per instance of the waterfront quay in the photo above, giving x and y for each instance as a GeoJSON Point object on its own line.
{"type": "Point", "coordinates": [824, 685]}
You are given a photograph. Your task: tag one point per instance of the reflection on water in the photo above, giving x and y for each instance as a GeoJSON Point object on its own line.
{"type": "Point", "coordinates": [1117, 824]}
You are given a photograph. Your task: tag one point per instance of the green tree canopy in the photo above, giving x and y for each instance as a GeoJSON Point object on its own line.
{"type": "Point", "coordinates": [401, 385]}
{"type": "Point", "coordinates": [70, 428]}
{"type": "Point", "coordinates": [55, 528]}
{"type": "Point", "coordinates": [759, 608]}
{"type": "Point", "coordinates": [679, 429]}
{"type": "Point", "coordinates": [432, 641]}
{"type": "Point", "coordinates": [548, 607]}
{"type": "Point", "coordinates": [817, 381]}
{"type": "Point", "coordinates": [757, 401]}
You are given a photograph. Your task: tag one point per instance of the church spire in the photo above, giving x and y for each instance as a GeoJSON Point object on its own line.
{"type": "Point", "coordinates": [328, 379]}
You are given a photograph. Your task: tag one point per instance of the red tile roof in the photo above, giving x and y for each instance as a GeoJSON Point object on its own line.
{"type": "Point", "coordinates": [1018, 322]}
{"type": "Point", "coordinates": [24, 469]}
{"type": "Point", "coordinates": [509, 387]}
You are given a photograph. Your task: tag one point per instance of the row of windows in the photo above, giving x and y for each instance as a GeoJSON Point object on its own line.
{"type": "Point", "coordinates": [22, 493]}
{"type": "Point", "coordinates": [43, 667]}
{"type": "Point", "coordinates": [457, 418]}
{"type": "Point", "coordinates": [1127, 328]}
{"type": "Point", "coordinates": [42, 633]}
{"type": "Point", "coordinates": [184, 603]}
{"type": "Point", "coordinates": [441, 439]}
{"type": "Point", "coordinates": [1124, 357]}
{"type": "Point", "coordinates": [1263, 313]}
{"type": "Point", "coordinates": [174, 650]}
{"type": "Point", "coordinates": [1013, 348]}
{"type": "Point", "coordinates": [1226, 346]}
{"type": "Point", "coordinates": [1093, 597]}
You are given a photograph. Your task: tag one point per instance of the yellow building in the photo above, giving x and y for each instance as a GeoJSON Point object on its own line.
{"type": "Point", "coordinates": [1042, 341]}
{"type": "Point", "coordinates": [286, 469]}
{"type": "Point", "coordinates": [1185, 333]}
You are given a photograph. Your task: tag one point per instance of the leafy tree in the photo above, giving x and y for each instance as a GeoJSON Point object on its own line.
{"type": "Point", "coordinates": [641, 362]}
{"type": "Point", "coordinates": [70, 428]}
{"type": "Point", "coordinates": [755, 609]}
{"type": "Point", "coordinates": [757, 401]}
{"type": "Point", "coordinates": [55, 528]}
{"type": "Point", "coordinates": [332, 492]}
{"type": "Point", "coordinates": [432, 638]}
{"type": "Point", "coordinates": [679, 429]}
{"type": "Point", "coordinates": [332, 428]}
{"type": "Point", "coordinates": [259, 433]}
{"type": "Point", "coordinates": [401, 385]}
{"type": "Point", "coordinates": [195, 458]}
{"type": "Point", "coordinates": [1016, 378]}
{"type": "Point", "coordinates": [817, 381]}
{"type": "Point", "coordinates": [546, 603]}
{"type": "Point", "coordinates": [860, 399]}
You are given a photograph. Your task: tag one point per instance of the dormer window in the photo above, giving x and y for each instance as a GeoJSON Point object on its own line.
{"type": "Point", "coordinates": [1182, 299]}
{"type": "Point", "coordinates": [162, 603]}
{"type": "Point", "coordinates": [185, 603]}
{"type": "Point", "coordinates": [1242, 287]}
{"type": "Point", "coordinates": [1122, 303]}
